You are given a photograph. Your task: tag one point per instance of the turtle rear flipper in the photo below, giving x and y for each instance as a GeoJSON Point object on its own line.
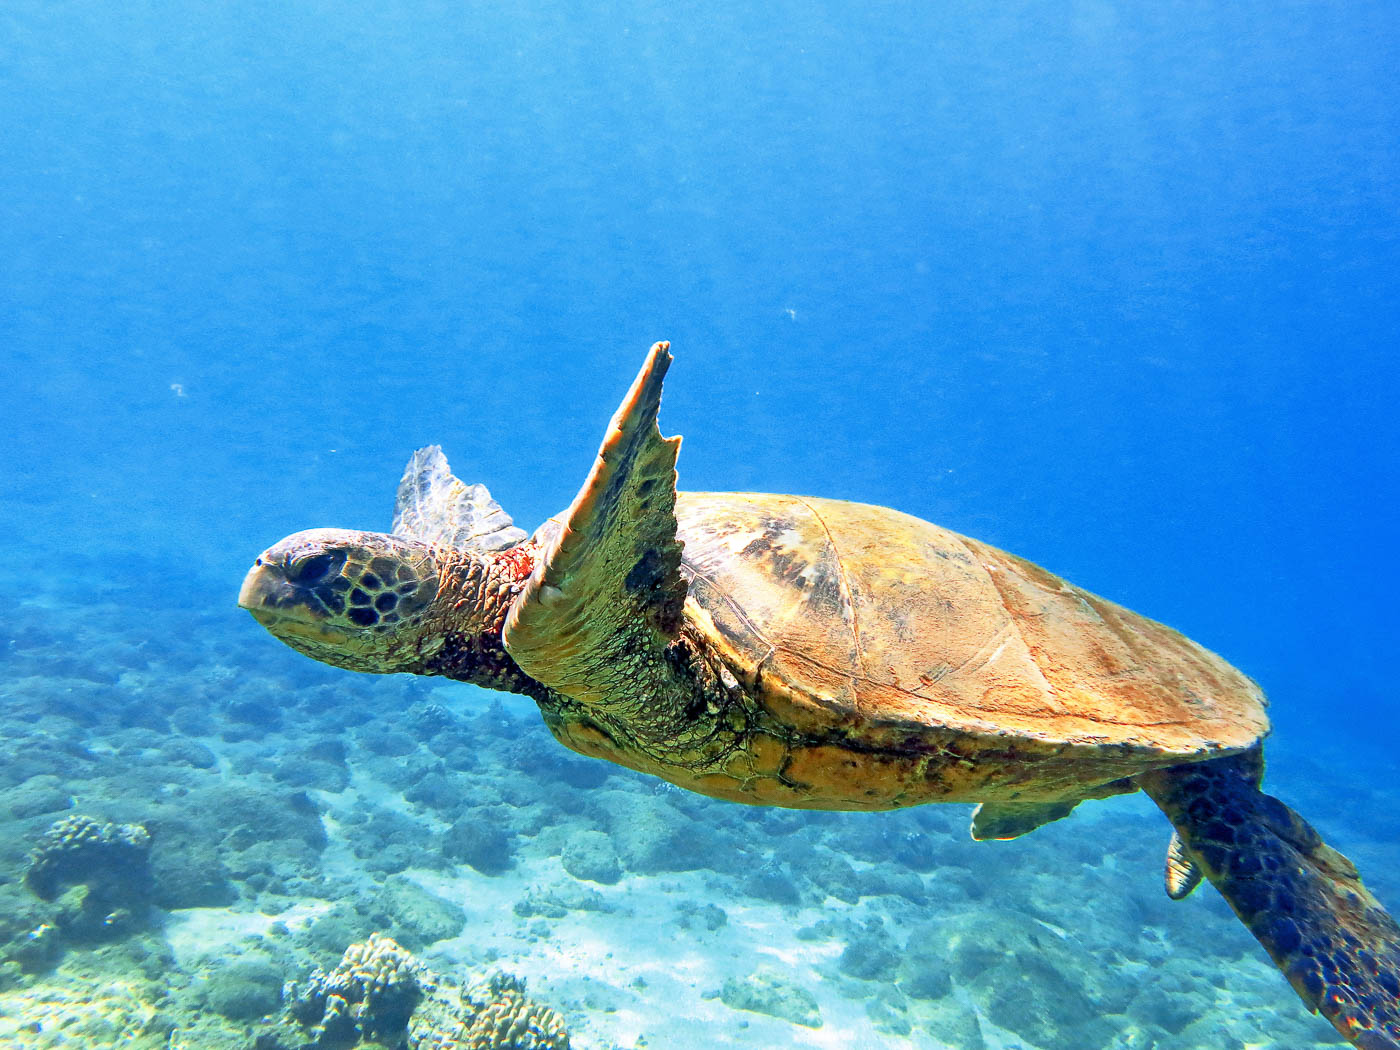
{"type": "Point", "coordinates": [594, 620]}
{"type": "Point", "coordinates": [1181, 873]}
{"type": "Point", "coordinates": [1302, 899]}
{"type": "Point", "coordinates": [434, 506]}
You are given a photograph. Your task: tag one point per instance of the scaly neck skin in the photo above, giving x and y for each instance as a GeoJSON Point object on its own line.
{"type": "Point", "coordinates": [461, 638]}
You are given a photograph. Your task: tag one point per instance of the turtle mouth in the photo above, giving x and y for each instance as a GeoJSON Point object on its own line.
{"type": "Point", "coordinates": [299, 616]}
{"type": "Point", "coordinates": [275, 600]}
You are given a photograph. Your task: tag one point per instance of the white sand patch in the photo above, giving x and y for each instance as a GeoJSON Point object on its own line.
{"type": "Point", "coordinates": [635, 973]}
{"type": "Point", "coordinates": [194, 933]}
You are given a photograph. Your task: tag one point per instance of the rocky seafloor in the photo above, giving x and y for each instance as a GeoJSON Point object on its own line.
{"type": "Point", "coordinates": [291, 811]}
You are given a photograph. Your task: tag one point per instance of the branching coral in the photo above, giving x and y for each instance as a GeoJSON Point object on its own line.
{"type": "Point", "coordinates": [492, 1014]}
{"type": "Point", "coordinates": [506, 1020]}
{"type": "Point", "coordinates": [79, 849]}
{"type": "Point", "coordinates": [380, 992]}
{"type": "Point", "coordinates": [371, 993]}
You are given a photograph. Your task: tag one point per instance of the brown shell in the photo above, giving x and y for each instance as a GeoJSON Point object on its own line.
{"type": "Point", "coordinates": [858, 617]}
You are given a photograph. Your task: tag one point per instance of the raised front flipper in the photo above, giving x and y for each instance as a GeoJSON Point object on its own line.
{"type": "Point", "coordinates": [1302, 899]}
{"type": "Point", "coordinates": [597, 615]}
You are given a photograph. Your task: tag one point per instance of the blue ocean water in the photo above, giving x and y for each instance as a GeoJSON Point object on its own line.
{"type": "Point", "coordinates": [1112, 286]}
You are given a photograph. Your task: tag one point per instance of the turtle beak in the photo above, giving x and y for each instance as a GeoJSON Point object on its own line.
{"type": "Point", "coordinates": [259, 591]}
{"type": "Point", "coordinates": [282, 607]}
{"type": "Point", "coordinates": [269, 595]}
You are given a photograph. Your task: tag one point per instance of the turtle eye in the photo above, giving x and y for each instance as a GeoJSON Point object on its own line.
{"type": "Point", "coordinates": [311, 571]}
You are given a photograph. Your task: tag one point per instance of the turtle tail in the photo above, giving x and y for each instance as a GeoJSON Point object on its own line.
{"type": "Point", "coordinates": [1302, 899]}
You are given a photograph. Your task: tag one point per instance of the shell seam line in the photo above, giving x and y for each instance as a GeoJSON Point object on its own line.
{"type": "Point", "coordinates": [933, 699]}
{"type": "Point", "coordinates": [1015, 628]}
{"type": "Point", "coordinates": [728, 600]}
{"type": "Point", "coordinates": [846, 597]}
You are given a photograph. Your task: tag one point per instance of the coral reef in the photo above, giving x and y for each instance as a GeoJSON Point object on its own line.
{"type": "Point", "coordinates": [491, 1014]}
{"type": "Point", "coordinates": [79, 849]}
{"type": "Point", "coordinates": [372, 993]}
{"type": "Point", "coordinates": [96, 881]}
{"type": "Point", "coordinates": [381, 992]}
{"type": "Point", "coordinates": [70, 1014]}
{"type": "Point", "coordinates": [899, 930]}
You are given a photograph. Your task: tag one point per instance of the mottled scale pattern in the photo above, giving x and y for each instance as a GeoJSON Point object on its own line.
{"type": "Point", "coordinates": [1302, 899]}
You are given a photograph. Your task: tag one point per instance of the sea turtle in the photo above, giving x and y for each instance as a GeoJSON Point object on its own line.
{"type": "Point", "coordinates": [812, 653]}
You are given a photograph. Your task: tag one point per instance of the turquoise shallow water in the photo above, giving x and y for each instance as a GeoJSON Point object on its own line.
{"type": "Point", "coordinates": [1111, 288]}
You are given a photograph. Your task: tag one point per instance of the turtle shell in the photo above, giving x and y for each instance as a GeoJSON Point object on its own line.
{"type": "Point", "coordinates": [860, 621]}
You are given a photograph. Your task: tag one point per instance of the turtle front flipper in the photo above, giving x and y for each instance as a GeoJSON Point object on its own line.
{"type": "Point", "coordinates": [595, 618]}
{"type": "Point", "coordinates": [1011, 820]}
{"type": "Point", "coordinates": [1303, 900]}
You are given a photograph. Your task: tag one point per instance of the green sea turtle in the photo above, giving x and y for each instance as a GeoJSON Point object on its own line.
{"type": "Point", "coordinates": [812, 653]}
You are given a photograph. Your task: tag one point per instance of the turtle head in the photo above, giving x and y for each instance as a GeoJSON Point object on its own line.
{"type": "Point", "coordinates": [357, 600]}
